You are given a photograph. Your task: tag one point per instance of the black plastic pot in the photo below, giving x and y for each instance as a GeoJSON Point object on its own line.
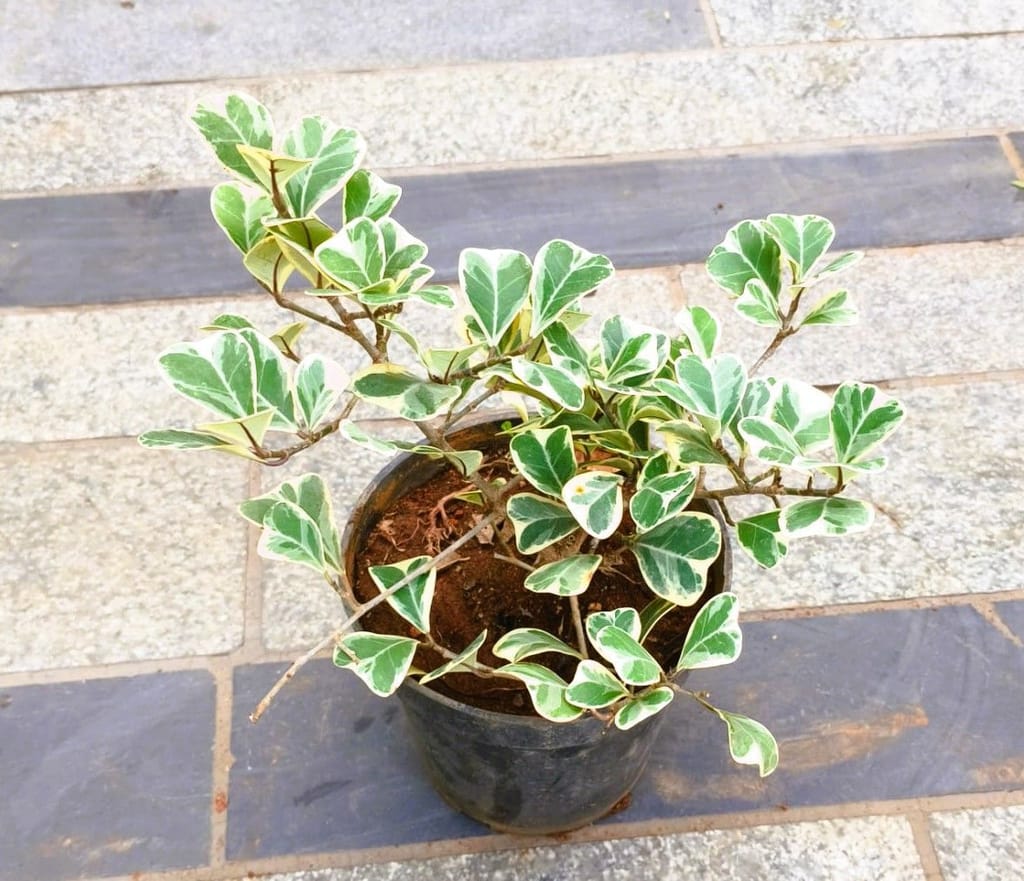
{"type": "Point", "coordinates": [516, 774]}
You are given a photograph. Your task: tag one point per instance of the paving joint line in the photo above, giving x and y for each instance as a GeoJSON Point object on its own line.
{"type": "Point", "coordinates": [926, 852]}
{"type": "Point", "coordinates": [711, 24]}
{"type": "Point", "coordinates": [252, 615]}
{"type": "Point", "coordinates": [1012, 155]}
{"type": "Point", "coordinates": [221, 759]}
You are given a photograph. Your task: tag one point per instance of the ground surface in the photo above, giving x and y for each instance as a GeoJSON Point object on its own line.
{"type": "Point", "coordinates": [139, 625]}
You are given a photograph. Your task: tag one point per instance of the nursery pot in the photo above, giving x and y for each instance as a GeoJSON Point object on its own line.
{"type": "Point", "coordinates": [519, 774]}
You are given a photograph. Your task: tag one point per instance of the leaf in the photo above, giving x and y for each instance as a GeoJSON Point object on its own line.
{"type": "Point", "coordinates": [367, 195]}
{"type": "Point", "coordinates": [689, 444]}
{"type": "Point", "coordinates": [319, 382]}
{"type": "Point", "coordinates": [714, 637]}
{"type": "Point", "coordinates": [761, 537]}
{"type": "Point", "coordinates": [227, 321]}
{"type": "Point", "coordinates": [565, 352]}
{"type": "Point", "coordinates": [289, 533]}
{"type": "Point", "coordinates": [267, 263]}
{"type": "Point", "coordinates": [552, 382]}
{"type": "Point", "coordinates": [544, 457]}
{"type": "Point", "coordinates": [802, 410]}
{"type": "Point", "coordinates": [750, 743]}
{"type": "Point", "coordinates": [700, 328]}
{"type": "Point", "coordinates": [464, 661]}
{"type": "Point", "coordinates": [239, 119]}
{"type": "Point", "coordinates": [239, 211]}
{"type": "Point", "coordinates": [803, 238]}
{"type": "Point", "coordinates": [840, 264]}
{"type": "Point", "coordinates": [381, 661]}
{"type": "Point", "coordinates": [861, 418]}
{"type": "Point", "coordinates": [651, 614]}
{"type": "Point", "coordinates": [413, 601]}
{"type": "Point", "coordinates": [271, 168]}
{"type": "Point", "coordinates": [748, 252]}
{"type": "Point", "coordinates": [217, 372]}
{"type": "Point", "coordinates": [630, 353]}
{"type": "Point", "coordinates": [525, 642]}
{"type": "Point", "coordinates": [660, 498]}
{"type": "Point", "coordinates": [298, 239]}
{"type": "Point", "coordinates": [468, 460]}
{"type": "Point", "coordinates": [354, 258]}
{"type": "Point", "coordinates": [759, 304]}
{"type": "Point", "coordinates": [595, 499]}
{"type": "Point", "coordinates": [395, 389]}
{"type": "Point", "coordinates": [334, 153]}
{"type": "Point", "coordinates": [643, 707]}
{"type": "Point", "coordinates": [547, 691]}
{"type": "Point", "coordinates": [632, 662]}
{"type": "Point", "coordinates": [711, 388]}
{"type": "Point", "coordinates": [245, 432]}
{"type": "Point", "coordinates": [496, 284]}
{"type": "Point", "coordinates": [675, 556]}
{"type": "Point", "coordinates": [771, 442]}
{"type": "Point", "coordinates": [832, 309]}
{"type": "Point", "coordinates": [594, 687]}
{"type": "Point", "coordinates": [831, 516]}
{"type": "Point", "coordinates": [563, 272]}
{"type": "Point", "coordinates": [567, 577]}
{"type": "Point", "coordinates": [438, 295]}
{"type": "Point", "coordinates": [538, 522]}
{"type": "Point", "coordinates": [272, 387]}
{"type": "Point", "coordinates": [179, 439]}
{"type": "Point", "coordinates": [625, 619]}
{"type": "Point", "coordinates": [403, 250]}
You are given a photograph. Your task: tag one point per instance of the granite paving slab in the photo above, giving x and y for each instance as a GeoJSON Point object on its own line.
{"type": "Point", "coordinates": [871, 706]}
{"type": "Point", "coordinates": [130, 246]}
{"type": "Point", "coordinates": [106, 777]}
{"type": "Point", "coordinates": [110, 552]}
{"type": "Point", "coordinates": [979, 845]}
{"type": "Point", "coordinates": [607, 106]}
{"type": "Point", "coordinates": [757, 22]}
{"type": "Point", "coordinates": [861, 849]}
{"type": "Point", "coordinates": [96, 43]}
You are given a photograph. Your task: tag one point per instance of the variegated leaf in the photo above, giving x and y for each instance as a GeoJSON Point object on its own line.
{"type": "Point", "coordinates": [413, 601]}
{"type": "Point", "coordinates": [381, 661]}
{"type": "Point", "coordinates": [319, 382]}
{"type": "Point", "coordinates": [525, 642]}
{"type": "Point", "coordinates": [239, 211]}
{"type": "Point", "coordinates": [714, 637]}
{"type": "Point", "coordinates": [563, 272]}
{"type": "Point", "coordinates": [538, 521]}
{"type": "Point", "coordinates": [676, 555]}
{"type": "Point", "coordinates": [395, 389]}
{"type": "Point", "coordinates": [464, 661]}
{"type": "Point", "coordinates": [334, 154]}
{"type": "Point", "coordinates": [544, 457]}
{"type": "Point", "coordinates": [748, 252]}
{"type": "Point", "coordinates": [831, 516]}
{"type": "Point", "coordinates": [595, 499]}
{"type": "Point", "coordinates": [367, 195]}
{"type": "Point", "coordinates": [355, 257]}
{"type": "Point", "coordinates": [567, 577]}
{"type": "Point", "coordinates": [633, 664]}
{"type": "Point", "coordinates": [236, 119]}
{"type": "Point", "coordinates": [496, 284]}
{"type": "Point", "coordinates": [750, 743]}
{"type": "Point", "coordinates": [643, 707]}
{"type": "Point", "coordinates": [761, 537]}
{"type": "Point", "coordinates": [594, 687]}
{"type": "Point", "coordinates": [803, 238]}
{"type": "Point", "coordinates": [217, 372]}
{"type": "Point", "coordinates": [547, 691]}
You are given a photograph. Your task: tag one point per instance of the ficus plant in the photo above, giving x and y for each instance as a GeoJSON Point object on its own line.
{"type": "Point", "coordinates": [652, 421]}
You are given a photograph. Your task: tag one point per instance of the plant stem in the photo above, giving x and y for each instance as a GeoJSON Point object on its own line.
{"type": "Point", "coordinates": [577, 622]}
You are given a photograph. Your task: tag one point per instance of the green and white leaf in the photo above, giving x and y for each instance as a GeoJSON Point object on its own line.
{"type": "Point", "coordinates": [547, 691]}
{"type": "Point", "coordinates": [761, 536]}
{"type": "Point", "coordinates": [298, 239]}
{"type": "Point", "coordinates": [563, 272]}
{"type": "Point", "coordinates": [833, 308]}
{"type": "Point", "coordinates": [270, 167]}
{"type": "Point", "coordinates": [632, 662]}
{"type": "Point", "coordinates": [395, 388]}
{"type": "Point", "coordinates": [772, 443]}
{"type": "Point", "coordinates": [287, 335]}
{"type": "Point", "coordinates": [660, 498]}
{"type": "Point", "coordinates": [595, 499]}
{"type": "Point", "coordinates": [525, 642]}
{"type": "Point", "coordinates": [630, 353]}
{"type": "Point", "coordinates": [464, 661]}
{"type": "Point", "coordinates": [567, 577]}
{"type": "Point", "coordinates": [594, 687]}
{"type": "Point", "coordinates": [413, 601]}
{"type": "Point", "coordinates": [246, 431]}
{"type": "Point", "coordinates": [759, 304]}
{"type": "Point", "coordinates": [218, 372]}
{"type": "Point", "coordinates": [267, 263]}
{"type": "Point", "coordinates": [651, 614]}
{"type": "Point", "coordinates": [355, 257]}
{"type": "Point", "coordinates": [803, 238]}
{"type": "Point", "coordinates": [544, 457]}
{"type": "Point", "coordinates": [380, 660]}
{"type": "Point", "coordinates": [236, 119]}
{"type": "Point", "coordinates": [625, 619]}
{"type": "Point", "coordinates": [180, 439]}
{"type": "Point", "coordinates": [402, 248]}
{"type": "Point", "coordinates": [319, 382]}
{"type": "Point", "coordinates": [496, 284]}
{"type": "Point", "coordinates": [750, 743]}
{"type": "Point", "coordinates": [273, 386]}
{"type": "Point", "coordinates": [554, 383]}
{"type": "Point", "coordinates": [676, 555]}
{"type": "Point", "coordinates": [700, 328]}
{"type": "Point", "coordinates": [334, 154]}
{"type": "Point", "coordinates": [748, 252]}
{"type": "Point", "coordinates": [565, 352]}
{"type": "Point", "coordinates": [367, 195]}
{"type": "Point", "coordinates": [437, 295]}
{"type": "Point", "coordinates": [643, 706]}
{"type": "Point", "coordinates": [538, 521]}
{"type": "Point", "coordinates": [802, 410]}
{"type": "Point", "coordinates": [828, 517]}
{"type": "Point", "coordinates": [289, 533]}
{"type": "Point", "coordinates": [468, 460]}
{"type": "Point", "coordinates": [861, 418]}
{"type": "Point", "coordinates": [712, 388]}
{"type": "Point", "coordinates": [714, 637]}
{"type": "Point", "coordinates": [239, 211]}
{"type": "Point", "coordinates": [840, 264]}
{"type": "Point", "coordinates": [689, 444]}
{"type": "Point", "coordinates": [227, 321]}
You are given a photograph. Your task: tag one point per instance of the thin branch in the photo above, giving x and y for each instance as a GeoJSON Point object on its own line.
{"type": "Point", "coordinates": [457, 415]}
{"type": "Point", "coordinates": [577, 622]}
{"type": "Point", "coordinates": [522, 564]}
{"type": "Point", "coordinates": [279, 457]}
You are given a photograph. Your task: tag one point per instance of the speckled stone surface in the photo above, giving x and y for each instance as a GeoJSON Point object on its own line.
{"type": "Point", "coordinates": [957, 455]}
{"type": "Point", "coordinates": [110, 552]}
{"type": "Point", "coordinates": [756, 22]}
{"type": "Point", "coordinates": [925, 311]}
{"type": "Point", "coordinates": [980, 845]}
{"type": "Point", "coordinates": [862, 849]}
{"type": "Point", "coordinates": [53, 46]}
{"type": "Point", "coordinates": [504, 112]}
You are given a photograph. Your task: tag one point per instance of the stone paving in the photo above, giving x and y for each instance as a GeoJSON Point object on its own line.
{"type": "Point", "coordinates": [140, 627]}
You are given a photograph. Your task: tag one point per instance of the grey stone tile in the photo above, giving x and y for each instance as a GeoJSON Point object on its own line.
{"type": "Point", "coordinates": [106, 777]}
{"type": "Point", "coordinates": [862, 849]}
{"type": "Point", "coordinates": [757, 22]}
{"type": "Point", "coordinates": [109, 552]}
{"type": "Point", "coordinates": [927, 311]}
{"type": "Point", "coordinates": [979, 845]}
{"type": "Point", "coordinates": [608, 106]}
{"type": "Point", "coordinates": [641, 214]}
{"type": "Point", "coordinates": [105, 44]}
{"type": "Point", "coordinates": [930, 536]}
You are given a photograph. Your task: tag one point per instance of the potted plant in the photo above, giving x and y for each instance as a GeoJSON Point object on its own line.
{"type": "Point", "coordinates": [534, 586]}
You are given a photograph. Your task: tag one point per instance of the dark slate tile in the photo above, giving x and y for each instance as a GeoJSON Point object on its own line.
{"type": "Point", "coordinates": [111, 248]}
{"type": "Point", "coordinates": [43, 46]}
{"type": "Point", "coordinates": [328, 768]}
{"type": "Point", "coordinates": [105, 777]}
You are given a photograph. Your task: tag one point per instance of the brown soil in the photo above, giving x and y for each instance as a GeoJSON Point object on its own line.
{"type": "Point", "coordinates": [478, 592]}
